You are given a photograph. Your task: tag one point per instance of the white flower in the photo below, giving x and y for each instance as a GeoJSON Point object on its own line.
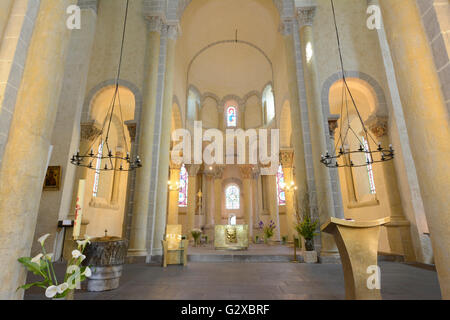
{"type": "Point", "coordinates": [62, 287]}
{"type": "Point", "coordinates": [42, 239]}
{"type": "Point", "coordinates": [37, 259]}
{"type": "Point", "coordinates": [51, 291]}
{"type": "Point", "coordinates": [83, 243]}
{"type": "Point", "coordinates": [87, 272]}
{"type": "Point", "coordinates": [49, 256]}
{"type": "Point", "coordinates": [76, 254]}
{"type": "Point", "coordinates": [82, 257]}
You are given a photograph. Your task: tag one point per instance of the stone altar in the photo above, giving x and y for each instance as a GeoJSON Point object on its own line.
{"type": "Point", "coordinates": [231, 237]}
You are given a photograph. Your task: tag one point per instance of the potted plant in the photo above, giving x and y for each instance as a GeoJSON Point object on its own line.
{"type": "Point", "coordinates": [256, 239]}
{"type": "Point", "coordinates": [306, 228]}
{"type": "Point", "coordinates": [196, 233]}
{"type": "Point", "coordinates": [268, 230]}
{"type": "Point", "coordinates": [284, 240]}
{"type": "Point", "coordinates": [42, 265]}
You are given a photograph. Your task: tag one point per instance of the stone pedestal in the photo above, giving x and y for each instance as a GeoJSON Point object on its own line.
{"type": "Point", "coordinates": [105, 256]}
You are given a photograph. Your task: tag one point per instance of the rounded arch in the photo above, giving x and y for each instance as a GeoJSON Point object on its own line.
{"type": "Point", "coordinates": [371, 83]}
{"type": "Point", "coordinates": [96, 90]}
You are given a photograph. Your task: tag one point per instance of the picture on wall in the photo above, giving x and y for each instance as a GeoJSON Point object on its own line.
{"type": "Point", "coordinates": [52, 179]}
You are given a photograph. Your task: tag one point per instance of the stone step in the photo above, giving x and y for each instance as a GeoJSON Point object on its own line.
{"type": "Point", "coordinates": [238, 258]}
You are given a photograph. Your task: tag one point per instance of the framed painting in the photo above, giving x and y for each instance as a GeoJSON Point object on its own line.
{"type": "Point", "coordinates": [52, 179]}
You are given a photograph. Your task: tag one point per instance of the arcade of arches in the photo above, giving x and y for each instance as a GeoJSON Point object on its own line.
{"type": "Point", "coordinates": [253, 64]}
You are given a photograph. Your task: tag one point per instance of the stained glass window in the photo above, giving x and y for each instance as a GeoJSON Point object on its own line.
{"type": "Point", "coordinates": [182, 195]}
{"type": "Point", "coordinates": [98, 166]}
{"type": "Point", "coordinates": [231, 116]}
{"type": "Point", "coordinates": [232, 197]}
{"type": "Point", "coordinates": [280, 185]}
{"type": "Point", "coordinates": [369, 167]}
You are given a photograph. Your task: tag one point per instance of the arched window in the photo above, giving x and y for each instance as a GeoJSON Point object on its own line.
{"type": "Point", "coordinates": [269, 104]}
{"type": "Point", "coordinates": [231, 116]}
{"type": "Point", "coordinates": [182, 195]}
{"type": "Point", "coordinates": [280, 187]}
{"type": "Point", "coordinates": [369, 167]}
{"type": "Point", "coordinates": [98, 167]}
{"type": "Point", "coordinates": [232, 197]}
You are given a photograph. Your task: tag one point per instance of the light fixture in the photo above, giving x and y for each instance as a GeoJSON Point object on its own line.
{"type": "Point", "coordinates": [104, 153]}
{"type": "Point", "coordinates": [381, 154]}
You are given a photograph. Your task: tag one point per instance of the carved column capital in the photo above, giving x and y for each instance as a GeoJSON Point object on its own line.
{"type": "Point", "coordinates": [218, 171]}
{"type": "Point", "coordinates": [192, 169]}
{"type": "Point", "coordinates": [287, 158]}
{"type": "Point", "coordinates": [305, 16]}
{"type": "Point", "coordinates": [155, 23]}
{"type": "Point", "coordinates": [89, 130]}
{"type": "Point", "coordinates": [172, 31]}
{"type": "Point", "coordinates": [174, 165]}
{"type": "Point", "coordinates": [131, 125]}
{"type": "Point", "coordinates": [246, 171]}
{"type": "Point", "coordinates": [378, 125]}
{"type": "Point", "coordinates": [256, 172]}
{"type": "Point", "coordinates": [333, 124]}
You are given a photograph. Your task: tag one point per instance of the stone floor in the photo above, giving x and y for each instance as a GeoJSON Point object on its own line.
{"type": "Point", "coordinates": [259, 281]}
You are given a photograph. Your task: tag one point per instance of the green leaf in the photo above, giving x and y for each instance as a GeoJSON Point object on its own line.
{"type": "Point", "coordinates": [42, 284]}
{"type": "Point", "coordinates": [31, 266]}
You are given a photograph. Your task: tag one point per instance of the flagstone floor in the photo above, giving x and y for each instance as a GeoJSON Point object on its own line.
{"type": "Point", "coordinates": [259, 281]}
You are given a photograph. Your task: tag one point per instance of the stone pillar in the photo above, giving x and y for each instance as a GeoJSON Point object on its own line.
{"type": "Point", "coordinates": [296, 120]}
{"type": "Point", "coordinates": [257, 205]}
{"type": "Point", "coordinates": [316, 122]}
{"type": "Point", "coordinates": [171, 34]}
{"type": "Point", "coordinates": [138, 234]}
{"type": "Point", "coordinates": [26, 154]}
{"type": "Point", "coordinates": [5, 9]}
{"type": "Point", "coordinates": [398, 228]}
{"type": "Point", "coordinates": [174, 180]}
{"type": "Point", "coordinates": [208, 194]}
{"type": "Point", "coordinates": [218, 171]}
{"type": "Point", "coordinates": [287, 160]}
{"type": "Point", "coordinates": [332, 123]}
{"type": "Point", "coordinates": [246, 173]}
{"type": "Point", "coordinates": [273, 204]}
{"type": "Point", "coordinates": [192, 170]}
{"type": "Point", "coordinates": [427, 122]}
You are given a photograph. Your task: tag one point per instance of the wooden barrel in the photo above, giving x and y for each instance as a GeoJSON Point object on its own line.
{"type": "Point", "coordinates": [105, 256]}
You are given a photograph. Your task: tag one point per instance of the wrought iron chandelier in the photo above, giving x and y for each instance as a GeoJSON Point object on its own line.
{"type": "Point", "coordinates": [104, 154]}
{"type": "Point", "coordinates": [381, 154]}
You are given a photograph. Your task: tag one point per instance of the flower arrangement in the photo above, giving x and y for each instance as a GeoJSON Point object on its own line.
{"type": "Point", "coordinates": [196, 233]}
{"type": "Point", "coordinates": [267, 229]}
{"type": "Point", "coordinates": [306, 228]}
{"type": "Point", "coordinates": [42, 265]}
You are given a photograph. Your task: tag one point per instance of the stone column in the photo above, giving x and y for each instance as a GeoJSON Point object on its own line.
{"type": "Point", "coordinates": [426, 120]}
{"type": "Point", "coordinates": [287, 160]}
{"type": "Point", "coordinates": [246, 173]}
{"type": "Point", "coordinates": [5, 9]}
{"type": "Point", "coordinates": [192, 170]}
{"type": "Point", "coordinates": [171, 34]}
{"type": "Point", "coordinates": [316, 122]}
{"type": "Point", "coordinates": [257, 205]}
{"type": "Point", "coordinates": [398, 228]}
{"type": "Point", "coordinates": [218, 171]}
{"type": "Point", "coordinates": [138, 234]}
{"type": "Point", "coordinates": [273, 204]}
{"type": "Point", "coordinates": [174, 179]}
{"type": "Point", "coordinates": [208, 194]}
{"type": "Point", "coordinates": [26, 154]}
{"type": "Point", "coordinates": [296, 120]}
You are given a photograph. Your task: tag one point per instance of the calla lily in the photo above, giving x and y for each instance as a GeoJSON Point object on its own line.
{"type": "Point", "coordinates": [87, 272]}
{"type": "Point", "coordinates": [62, 287]}
{"type": "Point", "coordinates": [83, 243]}
{"type": "Point", "coordinates": [51, 291]}
{"type": "Point", "coordinates": [49, 256]}
{"type": "Point", "coordinates": [37, 259]}
{"type": "Point", "coordinates": [76, 254]}
{"type": "Point", "coordinates": [42, 239]}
